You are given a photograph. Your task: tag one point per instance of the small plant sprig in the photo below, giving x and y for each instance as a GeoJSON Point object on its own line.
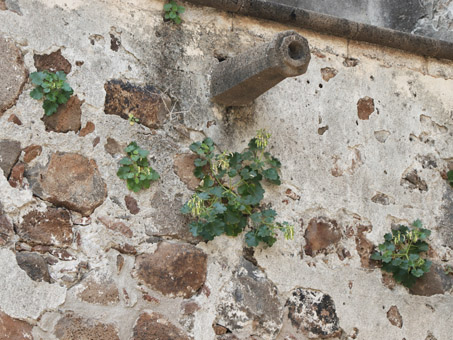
{"type": "Point", "coordinates": [52, 88]}
{"type": "Point", "coordinates": [230, 193]}
{"type": "Point", "coordinates": [400, 253]}
{"type": "Point", "coordinates": [132, 119]}
{"type": "Point", "coordinates": [172, 12]}
{"type": "Point", "coordinates": [450, 178]}
{"type": "Point", "coordinates": [135, 168]}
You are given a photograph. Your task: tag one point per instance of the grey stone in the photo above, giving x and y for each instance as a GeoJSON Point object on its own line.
{"type": "Point", "coordinates": [239, 80]}
{"type": "Point", "coordinates": [432, 283]}
{"type": "Point", "coordinates": [10, 151]}
{"type": "Point", "coordinates": [446, 219]}
{"type": "Point", "coordinates": [34, 265]}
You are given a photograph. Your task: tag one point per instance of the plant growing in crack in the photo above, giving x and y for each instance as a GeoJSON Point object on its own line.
{"type": "Point", "coordinates": [173, 11]}
{"type": "Point", "coordinates": [135, 168]}
{"type": "Point", "coordinates": [52, 88]}
{"type": "Point", "coordinates": [401, 253]}
{"type": "Point", "coordinates": [450, 178]}
{"type": "Point", "coordinates": [229, 196]}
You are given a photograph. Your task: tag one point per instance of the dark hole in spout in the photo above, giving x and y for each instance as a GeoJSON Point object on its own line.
{"type": "Point", "coordinates": [295, 50]}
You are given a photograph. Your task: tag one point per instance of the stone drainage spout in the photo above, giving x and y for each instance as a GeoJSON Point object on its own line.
{"type": "Point", "coordinates": [239, 80]}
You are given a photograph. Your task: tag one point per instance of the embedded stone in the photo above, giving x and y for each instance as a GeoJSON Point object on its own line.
{"type": "Point", "coordinates": [382, 199]}
{"type": "Point", "coordinates": [67, 118]}
{"type": "Point", "coordinates": [249, 303]}
{"type": "Point", "coordinates": [115, 225]}
{"type": "Point", "coordinates": [31, 152]}
{"type": "Point", "coordinates": [6, 229]}
{"type": "Point", "coordinates": [328, 73]}
{"type": "Point", "coordinates": [10, 151]}
{"type": "Point", "coordinates": [146, 103]}
{"type": "Point", "coordinates": [413, 181]}
{"type": "Point", "coordinates": [394, 316]}
{"type": "Point", "coordinates": [432, 283]}
{"type": "Point", "coordinates": [2, 5]}
{"type": "Point", "coordinates": [34, 265]}
{"type": "Point", "coordinates": [72, 327]}
{"type": "Point", "coordinates": [131, 204]}
{"type": "Point", "coordinates": [312, 313]}
{"type": "Point", "coordinates": [99, 290]}
{"type": "Point", "coordinates": [52, 62]}
{"type": "Point", "coordinates": [70, 180]}
{"type": "Point", "coordinates": [14, 74]}
{"type": "Point", "coordinates": [321, 233]}
{"type": "Point", "coordinates": [17, 175]}
{"type": "Point", "coordinates": [13, 329]}
{"type": "Point", "coordinates": [174, 269]}
{"type": "Point", "coordinates": [365, 107]}
{"type": "Point", "coordinates": [112, 147]}
{"type": "Point", "coordinates": [364, 247]}
{"type": "Point", "coordinates": [184, 168]}
{"type": "Point", "coordinates": [51, 227]}
{"type": "Point", "coordinates": [14, 119]}
{"type": "Point", "coordinates": [154, 326]}
{"type": "Point", "coordinates": [89, 128]}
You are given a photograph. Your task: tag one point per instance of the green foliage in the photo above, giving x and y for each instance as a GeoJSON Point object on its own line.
{"type": "Point", "coordinates": [230, 193]}
{"type": "Point", "coordinates": [400, 254]}
{"type": "Point", "coordinates": [132, 119]}
{"type": "Point", "coordinates": [52, 88]}
{"type": "Point", "coordinates": [172, 12]}
{"type": "Point", "coordinates": [450, 177]}
{"type": "Point", "coordinates": [448, 270]}
{"type": "Point", "coordinates": [135, 168]}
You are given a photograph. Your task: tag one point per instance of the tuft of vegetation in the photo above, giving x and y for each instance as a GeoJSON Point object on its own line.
{"type": "Point", "coordinates": [230, 192]}
{"type": "Point", "coordinates": [450, 177]}
{"type": "Point", "coordinates": [401, 253]}
{"type": "Point", "coordinates": [173, 11]}
{"type": "Point", "coordinates": [52, 88]}
{"type": "Point", "coordinates": [135, 168]}
{"type": "Point", "coordinates": [132, 119]}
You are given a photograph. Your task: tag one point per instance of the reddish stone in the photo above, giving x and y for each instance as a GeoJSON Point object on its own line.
{"type": "Point", "coordinates": [321, 233]}
{"type": "Point", "coordinates": [190, 307]}
{"type": "Point", "coordinates": [173, 269]}
{"type": "Point", "coordinates": [184, 168]}
{"type": "Point", "coordinates": [328, 73]}
{"type": "Point", "coordinates": [125, 248]}
{"type": "Point", "coordinates": [115, 225]}
{"type": "Point", "coordinates": [13, 329]}
{"type": "Point", "coordinates": [219, 330]}
{"type": "Point", "coordinates": [14, 119]}
{"type": "Point", "coordinates": [96, 141]}
{"type": "Point", "coordinates": [89, 128]}
{"type": "Point", "coordinates": [31, 152]}
{"type": "Point", "coordinates": [154, 326]}
{"type": "Point", "coordinates": [67, 118]}
{"type": "Point", "coordinates": [112, 147]}
{"type": "Point", "coordinates": [101, 292]}
{"type": "Point", "coordinates": [394, 316]}
{"type": "Point", "coordinates": [52, 62]}
{"type": "Point", "coordinates": [291, 194]}
{"type": "Point", "coordinates": [2, 5]}
{"type": "Point", "coordinates": [71, 327]}
{"type": "Point", "coordinates": [364, 247]}
{"type": "Point", "coordinates": [119, 263]}
{"type": "Point", "coordinates": [52, 227]}
{"type": "Point", "coordinates": [17, 175]}
{"type": "Point", "coordinates": [365, 107]}
{"type": "Point", "coordinates": [131, 204]}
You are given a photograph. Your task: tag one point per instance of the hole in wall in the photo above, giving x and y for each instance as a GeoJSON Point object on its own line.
{"type": "Point", "coordinates": [295, 50]}
{"type": "Point", "coordinates": [220, 57]}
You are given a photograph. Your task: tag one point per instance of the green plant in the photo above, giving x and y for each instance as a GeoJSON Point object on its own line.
{"type": "Point", "coordinates": [230, 192]}
{"type": "Point", "coordinates": [135, 168]}
{"type": "Point", "coordinates": [172, 12]}
{"type": "Point", "coordinates": [52, 88]}
{"type": "Point", "coordinates": [401, 253]}
{"type": "Point", "coordinates": [448, 270]}
{"type": "Point", "coordinates": [132, 119]}
{"type": "Point", "coordinates": [450, 177]}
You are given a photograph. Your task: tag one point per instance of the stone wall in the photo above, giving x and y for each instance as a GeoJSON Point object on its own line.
{"type": "Point", "coordinates": [364, 138]}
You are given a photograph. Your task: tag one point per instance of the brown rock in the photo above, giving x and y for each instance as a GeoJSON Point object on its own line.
{"type": "Point", "coordinates": [328, 73]}
{"type": "Point", "coordinates": [99, 291]}
{"type": "Point", "coordinates": [6, 229]}
{"type": "Point", "coordinates": [131, 204]}
{"type": "Point", "coordinates": [70, 180]}
{"type": "Point", "coordinates": [321, 233]}
{"type": "Point", "coordinates": [432, 283]}
{"type": "Point", "coordinates": [2, 5]}
{"type": "Point", "coordinates": [394, 316]}
{"type": "Point", "coordinates": [67, 118]}
{"type": "Point", "coordinates": [383, 199]}
{"type": "Point", "coordinates": [364, 247]}
{"type": "Point", "coordinates": [112, 147]}
{"type": "Point", "coordinates": [365, 107]}
{"type": "Point", "coordinates": [154, 326]}
{"type": "Point", "coordinates": [13, 329]}
{"type": "Point", "coordinates": [14, 119]}
{"type": "Point", "coordinates": [147, 103]}
{"type": "Point", "coordinates": [96, 141]}
{"type": "Point", "coordinates": [52, 62]}
{"type": "Point", "coordinates": [52, 227]}
{"type": "Point", "coordinates": [173, 269]}
{"type": "Point", "coordinates": [190, 307]}
{"type": "Point", "coordinates": [413, 181]}
{"type": "Point", "coordinates": [219, 330]}
{"type": "Point", "coordinates": [10, 151]}
{"type": "Point", "coordinates": [34, 265]}
{"type": "Point", "coordinates": [119, 263]}
{"type": "Point", "coordinates": [14, 74]}
{"type": "Point", "coordinates": [125, 248]}
{"type": "Point", "coordinates": [17, 175]}
{"type": "Point", "coordinates": [115, 225]}
{"type": "Point", "coordinates": [184, 168]}
{"type": "Point", "coordinates": [31, 152]}
{"type": "Point", "coordinates": [89, 128]}
{"type": "Point", "coordinates": [71, 327]}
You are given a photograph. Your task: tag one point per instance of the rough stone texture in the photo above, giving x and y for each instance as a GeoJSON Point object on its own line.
{"type": "Point", "coordinates": [446, 219]}
{"type": "Point", "coordinates": [313, 313]}
{"type": "Point", "coordinates": [321, 233]}
{"type": "Point", "coordinates": [17, 175]}
{"type": "Point", "coordinates": [52, 227]}
{"type": "Point", "coordinates": [131, 204]}
{"type": "Point", "coordinates": [413, 181]}
{"type": "Point", "coordinates": [394, 316]}
{"type": "Point", "coordinates": [184, 168]}
{"type": "Point", "coordinates": [173, 269]}
{"type": "Point", "coordinates": [31, 152]}
{"type": "Point", "coordinates": [72, 327]}
{"type": "Point", "coordinates": [13, 329]}
{"type": "Point", "coordinates": [146, 103]}
{"type": "Point", "coordinates": [113, 147]}
{"type": "Point", "coordinates": [6, 229]}
{"type": "Point", "coordinates": [52, 62]}
{"type": "Point", "coordinates": [34, 265]}
{"type": "Point", "coordinates": [328, 73]}
{"type": "Point", "coordinates": [10, 151]}
{"type": "Point", "coordinates": [381, 198]}
{"type": "Point", "coordinates": [67, 118]}
{"type": "Point", "coordinates": [89, 128]}
{"type": "Point", "coordinates": [154, 326]}
{"type": "Point", "coordinates": [364, 247]}
{"type": "Point", "coordinates": [365, 107]}
{"type": "Point", "coordinates": [14, 119]}
{"type": "Point", "coordinates": [70, 180]}
{"type": "Point", "coordinates": [116, 225]}
{"type": "Point", "coordinates": [13, 71]}
{"type": "Point", "coordinates": [249, 303]}
{"type": "Point", "coordinates": [102, 291]}
{"type": "Point", "coordinates": [432, 283]}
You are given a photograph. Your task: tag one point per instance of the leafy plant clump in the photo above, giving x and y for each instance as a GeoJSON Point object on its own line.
{"type": "Point", "coordinates": [135, 168]}
{"type": "Point", "coordinates": [401, 253]}
{"type": "Point", "coordinates": [172, 12]}
{"type": "Point", "coordinates": [230, 193]}
{"type": "Point", "coordinates": [52, 88]}
{"type": "Point", "coordinates": [450, 178]}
